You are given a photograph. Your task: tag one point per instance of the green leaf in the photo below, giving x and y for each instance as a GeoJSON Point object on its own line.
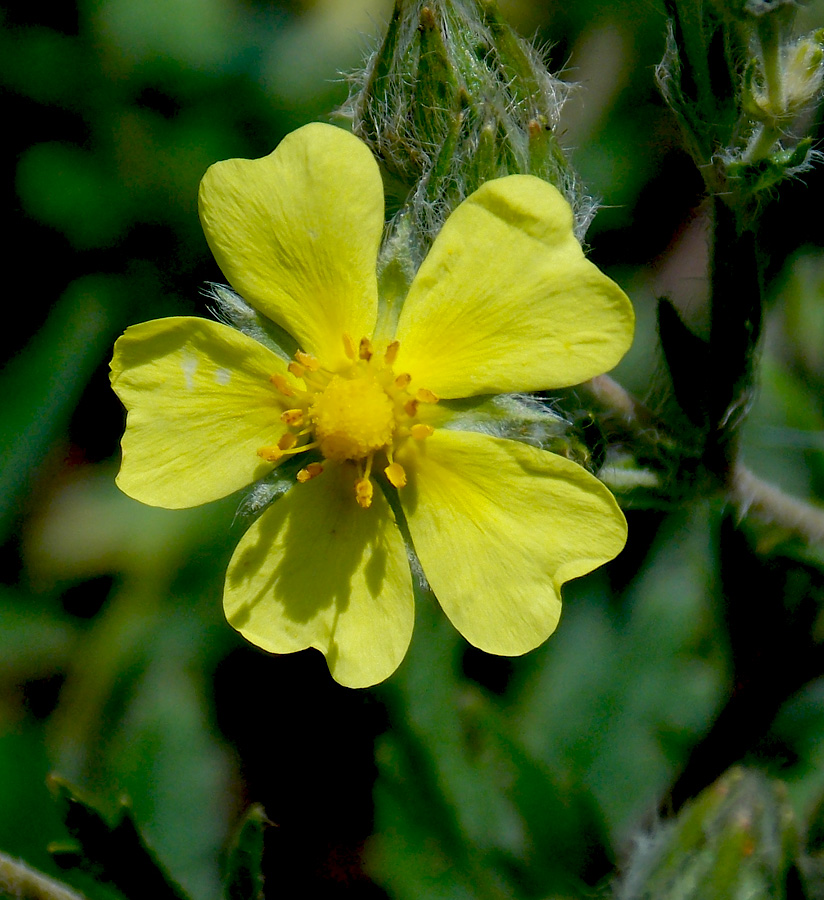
{"type": "Point", "coordinates": [115, 853]}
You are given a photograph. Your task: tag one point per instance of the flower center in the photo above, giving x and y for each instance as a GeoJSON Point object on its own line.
{"type": "Point", "coordinates": [353, 417]}
{"type": "Point", "coordinates": [350, 415]}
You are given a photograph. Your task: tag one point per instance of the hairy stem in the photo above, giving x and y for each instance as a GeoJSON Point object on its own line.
{"type": "Point", "coordinates": [754, 497]}
{"type": "Point", "coordinates": [20, 881]}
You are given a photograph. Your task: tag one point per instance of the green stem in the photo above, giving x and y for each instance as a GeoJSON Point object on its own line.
{"type": "Point", "coordinates": [24, 883]}
{"type": "Point", "coordinates": [735, 328]}
{"type": "Point", "coordinates": [769, 36]}
{"type": "Point", "coordinates": [762, 142]}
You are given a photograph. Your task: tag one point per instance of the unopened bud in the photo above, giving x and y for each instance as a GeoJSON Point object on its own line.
{"type": "Point", "coordinates": [454, 98]}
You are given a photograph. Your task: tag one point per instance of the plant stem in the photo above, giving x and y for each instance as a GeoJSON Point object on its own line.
{"type": "Point", "coordinates": [754, 497]}
{"type": "Point", "coordinates": [24, 883]}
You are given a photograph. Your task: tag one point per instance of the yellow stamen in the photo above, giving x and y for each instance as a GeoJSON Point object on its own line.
{"type": "Point", "coordinates": [270, 454]}
{"type": "Point", "coordinates": [391, 353]}
{"type": "Point", "coordinates": [411, 407]}
{"type": "Point", "coordinates": [363, 492]}
{"type": "Point", "coordinates": [280, 382]}
{"type": "Point", "coordinates": [396, 474]}
{"type": "Point", "coordinates": [307, 360]}
{"type": "Point", "coordinates": [287, 441]}
{"type": "Point", "coordinates": [402, 381]}
{"type": "Point", "coordinates": [311, 471]}
{"type": "Point", "coordinates": [349, 346]}
{"type": "Point", "coordinates": [296, 369]}
{"type": "Point", "coordinates": [292, 417]}
{"type": "Point", "coordinates": [426, 396]}
{"type": "Point", "coordinates": [420, 431]}
{"type": "Point", "coordinates": [365, 349]}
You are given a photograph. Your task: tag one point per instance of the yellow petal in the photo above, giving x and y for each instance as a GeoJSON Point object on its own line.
{"type": "Point", "coordinates": [200, 407]}
{"type": "Point", "coordinates": [498, 526]}
{"type": "Point", "coordinates": [317, 570]}
{"type": "Point", "coordinates": [506, 300]}
{"type": "Point", "coordinates": [297, 234]}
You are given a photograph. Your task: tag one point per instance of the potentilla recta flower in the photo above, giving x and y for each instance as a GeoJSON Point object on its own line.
{"type": "Point", "coordinates": [504, 302]}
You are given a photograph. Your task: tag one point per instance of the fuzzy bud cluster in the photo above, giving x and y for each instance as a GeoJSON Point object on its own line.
{"type": "Point", "coordinates": [453, 98]}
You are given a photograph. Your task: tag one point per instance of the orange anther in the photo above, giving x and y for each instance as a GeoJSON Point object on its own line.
{"type": "Point", "coordinates": [420, 431]}
{"type": "Point", "coordinates": [311, 471]}
{"type": "Point", "coordinates": [297, 369]}
{"type": "Point", "coordinates": [426, 396]}
{"type": "Point", "coordinates": [307, 360]}
{"type": "Point", "coordinates": [363, 492]}
{"type": "Point", "coordinates": [292, 417]}
{"type": "Point", "coordinates": [365, 348]}
{"type": "Point", "coordinates": [270, 454]}
{"type": "Point", "coordinates": [391, 353]}
{"type": "Point", "coordinates": [280, 382]}
{"type": "Point", "coordinates": [411, 407]}
{"type": "Point", "coordinates": [402, 381]}
{"type": "Point", "coordinates": [287, 441]}
{"type": "Point", "coordinates": [396, 474]}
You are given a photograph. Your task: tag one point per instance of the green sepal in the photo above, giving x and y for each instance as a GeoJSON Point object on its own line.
{"type": "Point", "coordinates": [770, 171]}
{"type": "Point", "coordinates": [436, 102]}
{"type": "Point", "coordinates": [112, 852]}
{"type": "Point", "coordinates": [244, 862]}
{"type": "Point", "coordinates": [516, 417]}
{"type": "Point", "coordinates": [231, 309]}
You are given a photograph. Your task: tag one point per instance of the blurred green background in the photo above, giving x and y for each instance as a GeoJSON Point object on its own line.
{"type": "Point", "coordinates": [464, 776]}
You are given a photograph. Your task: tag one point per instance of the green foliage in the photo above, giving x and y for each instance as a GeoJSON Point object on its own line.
{"type": "Point", "coordinates": [531, 794]}
{"type": "Point", "coordinates": [113, 853]}
{"type": "Point", "coordinates": [534, 777]}
{"type": "Point", "coordinates": [735, 840]}
{"type": "Point", "coordinates": [244, 872]}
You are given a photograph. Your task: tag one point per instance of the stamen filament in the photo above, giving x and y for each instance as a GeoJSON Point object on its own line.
{"type": "Point", "coordinates": [273, 454]}
{"type": "Point", "coordinates": [288, 440]}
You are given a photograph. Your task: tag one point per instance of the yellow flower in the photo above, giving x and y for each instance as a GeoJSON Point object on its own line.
{"type": "Point", "coordinates": [505, 301]}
